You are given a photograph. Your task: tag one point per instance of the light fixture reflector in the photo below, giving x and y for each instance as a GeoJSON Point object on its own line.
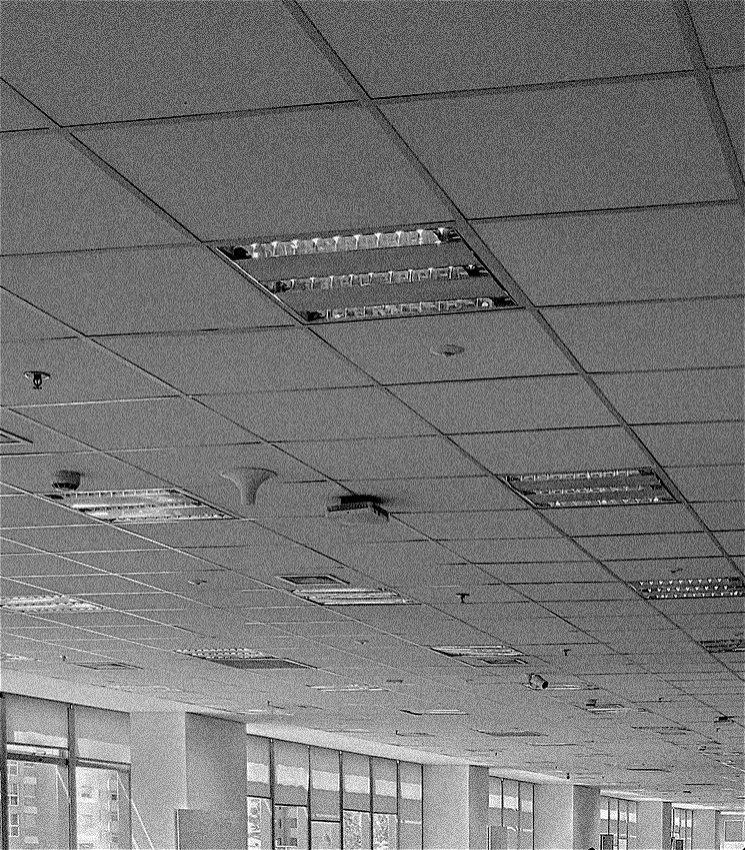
{"type": "Point", "coordinates": [322, 580]}
{"type": "Point", "coordinates": [690, 588]}
{"type": "Point", "coordinates": [397, 310]}
{"type": "Point", "coordinates": [243, 659]}
{"type": "Point", "coordinates": [48, 604]}
{"type": "Point", "coordinates": [338, 596]}
{"type": "Point", "coordinates": [718, 645]}
{"type": "Point", "coordinates": [495, 655]}
{"type": "Point", "coordinates": [354, 688]}
{"type": "Point", "coordinates": [130, 506]}
{"type": "Point", "coordinates": [601, 488]}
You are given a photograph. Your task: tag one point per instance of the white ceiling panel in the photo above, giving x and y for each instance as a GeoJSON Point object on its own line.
{"type": "Point", "coordinates": [509, 405]}
{"type": "Point", "coordinates": [570, 449]}
{"type": "Point", "coordinates": [522, 551]}
{"type": "Point", "coordinates": [550, 147]}
{"type": "Point", "coordinates": [239, 362]}
{"type": "Point", "coordinates": [673, 545]}
{"type": "Point", "coordinates": [81, 538]}
{"type": "Point", "coordinates": [113, 63]}
{"type": "Point", "coordinates": [28, 512]}
{"type": "Point", "coordinates": [710, 483]}
{"type": "Point", "coordinates": [205, 533]}
{"type": "Point", "coordinates": [28, 566]}
{"type": "Point", "coordinates": [695, 443]}
{"type": "Point", "coordinates": [79, 372]}
{"type": "Point", "coordinates": [321, 414]}
{"type": "Point", "coordinates": [396, 457]}
{"type": "Point", "coordinates": [16, 113]}
{"type": "Point", "coordinates": [730, 86]}
{"type": "Point", "coordinates": [666, 568]}
{"type": "Point", "coordinates": [313, 170]}
{"type": "Point", "coordinates": [19, 321]}
{"type": "Point", "coordinates": [622, 255]}
{"type": "Point", "coordinates": [93, 584]}
{"type": "Point", "coordinates": [618, 519]}
{"type": "Point", "coordinates": [34, 439]}
{"type": "Point", "coordinates": [473, 525]}
{"type": "Point", "coordinates": [54, 198]}
{"type": "Point", "coordinates": [136, 290]}
{"type": "Point", "coordinates": [141, 424]}
{"type": "Point", "coordinates": [468, 45]}
{"type": "Point", "coordinates": [620, 338]}
{"type": "Point", "coordinates": [733, 541]}
{"type": "Point", "coordinates": [542, 572]}
{"type": "Point", "coordinates": [719, 26]}
{"type": "Point", "coordinates": [685, 396]}
{"type": "Point", "coordinates": [577, 591]}
{"type": "Point", "coordinates": [722, 515]}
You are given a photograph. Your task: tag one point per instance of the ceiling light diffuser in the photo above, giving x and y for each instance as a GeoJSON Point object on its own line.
{"type": "Point", "coordinates": [343, 689]}
{"type": "Point", "coordinates": [690, 588]}
{"type": "Point", "coordinates": [48, 604]}
{"type": "Point", "coordinates": [496, 655]}
{"type": "Point", "coordinates": [243, 659]}
{"type": "Point", "coordinates": [435, 712]}
{"type": "Point", "coordinates": [8, 438]}
{"type": "Point", "coordinates": [322, 580]}
{"type": "Point", "coordinates": [603, 488]}
{"type": "Point", "coordinates": [129, 506]}
{"type": "Point", "coordinates": [337, 596]}
{"type": "Point", "coordinates": [735, 644]}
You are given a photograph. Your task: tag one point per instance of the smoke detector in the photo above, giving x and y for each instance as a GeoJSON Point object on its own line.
{"type": "Point", "coordinates": [356, 510]}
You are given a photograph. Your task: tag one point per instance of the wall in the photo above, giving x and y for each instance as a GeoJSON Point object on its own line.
{"type": "Point", "coordinates": [446, 807]}
{"type": "Point", "coordinates": [705, 830]}
{"type": "Point", "coordinates": [553, 806]}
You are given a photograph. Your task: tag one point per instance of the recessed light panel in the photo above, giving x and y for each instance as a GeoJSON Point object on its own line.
{"type": "Point", "coordinates": [243, 659]}
{"type": "Point", "coordinates": [7, 438]}
{"type": "Point", "coordinates": [690, 588]}
{"type": "Point", "coordinates": [323, 580]}
{"type": "Point", "coordinates": [348, 689]}
{"type": "Point", "coordinates": [603, 488]}
{"type": "Point", "coordinates": [129, 506]}
{"type": "Point", "coordinates": [49, 604]}
{"type": "Point", "coordinates": [736, 644]}
{"type": "Point", "coordinates": [386, 274]}
{"type": "Point", "coordinates": [496, 655]}
{"type": "Point", "coordinates": [102, 666]}
{"type": "Point", "coordinates": [593, 707]}
{"type": "Point", "coordinates": [338, 596]}
{"type": "Point", "coordinates": [435, 712]}
{"type": "Point", "coordinates": [510, 734]}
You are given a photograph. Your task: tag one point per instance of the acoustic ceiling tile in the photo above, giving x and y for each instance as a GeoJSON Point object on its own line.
{"type": "Point", "coordinates": [54, 198]}
{"type": "Point", "coordinates": [542, 572]}
{"type": "Point", "coordinates": [308, 170]}
{"type": "Point", "coordinates": [719, 26]}
{"type": "Point", "coordinates": [674, 545]}
{"type": "Point", "coordinates": [25, 567]}
{"type": "Point", "coordinates": [729, 86]}
{"type": "Point", "coordinates": [471, 45]}
{"type": "Point", "coordinates": [550, 147]}
{"type": "Point", "coordinates": [29, 512]}
{"type": "Point", "coordinates": [508, 405]}
{"type": "Point", "coordinates": [23, 436]}
{"type": "Point", "coordinates": [619, 519]}
{"type": "Point", "coordinates": [474, 525]}
{"type": "Point", "coordinates": [81, 538]}
{"type": "Point", "coordinates": [16, 113]}
{"type": "Point", "coordinates": [710, 483]}
{"type": "Point", "coordinates": [689, 444]}
{"type": "Point", "coordinates": [669, 568]}
{"type": "Point", "coordinates": [118, 63]}
{"type": "Point", "coordinates": [522, 551]}
{"type": "Point", "coordinates": [722, 516]}
{"type": "Point", "coordinates": [622, 255]}
{"type": "Point", "coordinates": [20, 322]}
{"type": "Point", "coordinates": [677, 335]}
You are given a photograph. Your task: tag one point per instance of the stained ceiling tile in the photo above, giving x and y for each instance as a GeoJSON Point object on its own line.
{"type": "Point", "coordinates": [621, 338]}
{"type": "Point", "coordinates": [470, 45]}
{"type": "Point", "coordinates": [622, 255]}
{"type": "Point", "coordinates": [309, 171]}
{"type": "Point", "coordinates": [114, 64]}
{"type": "Point", "coordinates": [508, 405]}
{"type": "Point", "coordinates": [550, 147]}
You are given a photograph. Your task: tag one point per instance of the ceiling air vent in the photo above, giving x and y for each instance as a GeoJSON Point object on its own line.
{"type": "Point", "coordinates": [324, 580]}
{"type": "Point", "coordinates": [603, 488]}
{"type": "Point", "coordinates": [243, 659]}
{"type": "Point", "coordinates": [386, 274]}
{"type": "Point", "coordinates": [594, 707]}
{"type": "Point", "coordinates": [8, 438]}
{"type": "Point", "coordinates": [338, 596]}
{"type": "Point", "coordinates": [496, 655]}
{"type": "Point", "coordinates": [127, 506]}
{"type": "Point", "coordinates": [356, 510]}
{"type": "Point", "coordinates": [49, 604]}
{"type": "Point", "coordinates": [690, 588]}
{"type": "Point", "coordinates": [736, 644]}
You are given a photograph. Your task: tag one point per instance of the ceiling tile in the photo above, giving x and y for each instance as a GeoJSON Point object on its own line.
{"type": "Point", "coordinates": [673, 545]}
{"type": "Point", "coordinates": [135, 291]}
{"type": "Point", "coordinates": [548, 572]}
{"type": "Point", "coordinates": [477, 525]}
{"type": "Point", "coordinates": [33, 438]}
{"type": "Point", "coordinates": [474, 45]}
{"type": "Point", "coordinates": [414, 495]}
{"type": "Point", "coordinates": [554, 451]}
{"type": "Point", "coordinates": [522, 551]}
{"type": "Point", "coordinates": [729, 86]}
{"type": "Point", "coordinates": [666, 568]}
{"type": "Point", "coordinates": [719, 26]}
{"type": "Point", "coordinates": [685, 396]}
{"type": "Point", "coordinates": [550, 147]}
{"type": "Point", "coordinates": [324, 532]}
{"type": "Point", "coordinates": [89, 584]}
{"type": "Point", "coordinates": [29, 512]}
{"type": "Point", "coordinates": [733, 541]}
{"type": "Point", "coordinates": [622, 255]}
{"type": "Point", "coordinates": [79, 372]}
{"type": "Point", "coordinates": [722, 515]}
{"type": "Point", "coordinates": [239, 362]}
{"type": "Point", "coordinates": [710, 483]}
{"type": "Point", "coordinates": [81, 538]}
{"type": "Point", "coordinates": [497, 345]}
{"type": "Point", "coordinates": [508, 405]}
{"type": "Point", "coordinates": [26, 566]}
{"type": "Point", "coordinates": [16, 113]}
{"type": "Point", "coordinates": [396, 457]}
{"type": "Point", "coordinates": [695, 443]}
{"type": "Point", "coordinates": [112, 64]}
{"type": "Point", "coordinates": [314, 170]}
{"type": "Point", "coordinates": [618, 519]}
{"type": "Point", "coordinates": [141, 424]}
{"type": "Point", "coordinates": [19, 321]}
{"type": "Point", "coordinates": [620, 338]}
{"type": "Point", "coordinates": [576, 591]}
{"type": "Point", "coordinates": [54, 198]}
{"type": "Point", "coordinates": [321, 414]}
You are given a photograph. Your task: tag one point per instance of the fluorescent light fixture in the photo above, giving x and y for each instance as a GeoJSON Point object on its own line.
{"type": "Point", "coordinates": [338, 596]}
{"type": "Point", "coordinates": [717, 645]}
{"type": "Point", "coordinates": [402, 309]}
{"type": "Point", "coordinates": [323, 580]}
{"type": "Point", "coordinates": [102, 666]}
{"type": "Point", "coordinates": [413, 734]}
{"type": "Point", "coordinates": [49, 604]}
{"type": "Point", "coordinates": [510, 734]}
{"type": "Point", "coordinates": [12, 658]}
{"type": "Point", "coordinates": [690, 588]}
{"type": "Point", "coordinates": [129, 506]}
{"type": "Point", "coordinates": [8, 438]}
{"type": "Point", "coordinates": [603, 488]}
{"type": "Point", "coordinates": [348, 689]}
{"type": "Point", "coordinates": [495, 655]}
{"type": "Point", "coordinates": [243, 659]}
{"type": "Point", "coordinates": [435, 712]}
{"type": "Point", "coordinates": [593, 707]}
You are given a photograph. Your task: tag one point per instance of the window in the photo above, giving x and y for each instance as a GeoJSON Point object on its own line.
{"type": "Point", "coordinates": [259, 824]}
{"type": "Point", "coordinates": [290, 827]}
{"type": "Point", "coordinates": [733, 830]}
{"type": "Point", "coordinates": [13, 824]}
{"type": "Point", "coordinates": [41, 787]}
{"type": "Point", "coordinates": [102, 806]}
{"type": "Point", "coordinates": [325, 835]}
{"type": "Point", "coordinates": [356, 830]}
{"type": "Point", "coordinates": [13, 794]}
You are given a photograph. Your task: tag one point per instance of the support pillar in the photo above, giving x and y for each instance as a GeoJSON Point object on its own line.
{"type": "Point", "coordinates": [456, 807]}
{"type": "Point", "coordinates": [705, 829]}
{"type": "Point", "coordinates": [567, 817]}
{"type": "Point", "coordinates": [654, 825]}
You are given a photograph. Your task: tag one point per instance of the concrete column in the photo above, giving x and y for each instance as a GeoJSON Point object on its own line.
{"type": "Point", "coordinates": [456, 807]}
{"type": "Point", "coordinates": [705, 829]}
{"type": "Point", "coordinates": [553, 817]}
{"type": "Point", "coordinates": [585, 817]}
{"type": "Point", "coordinates": [158, 777]}
{"type": "Point", "coordinates": [654, 824]}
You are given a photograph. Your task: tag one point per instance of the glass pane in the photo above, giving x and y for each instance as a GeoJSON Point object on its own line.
{"type": "Point", "coordinates": [356, 772]}
{"type": "Point", "coordinates": [526, 815]}
{"type": "Point", "coordinates": [325, 835]}
{"type": "Point", "coordinates": [385, 832]}
{"type": "Point", "coordinates": [495, 803]}
{"type": "Point", "coordinates": [410, 786]}
{"type": "Point", "coordinates": [257, 766]}
{"type": "Point", "coordinates": [632, 824]}
{"type": "Point", "coordinates": [103, 808]}
{"type": "Point", "coordinates": [356, 830]}
{"type": "Point", "coordinates": [291, 765]}
{"type": "Point", "coordinates": [102, 735]}
{"type": "Point", "coordinates": [324, 783]}
{"type": "Point", "coordinates": [733, 830]}
{"type": "Point", "coordinates": [385, 789]}
{"type": "Point", "coordinates": [259, 824]}
{"type": "Point", "coordinates": [38, 805]}
{"type": "Point", "coordinates": [613, 819]}
{"type": "Point", "coordinates": [36, 721]}
{"type": "Point", "coordinates": [509, 802]}
{"type": "Point", "coordinates": [410, 834]}
{"type": "Point", "coordinates": [290, 827]}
